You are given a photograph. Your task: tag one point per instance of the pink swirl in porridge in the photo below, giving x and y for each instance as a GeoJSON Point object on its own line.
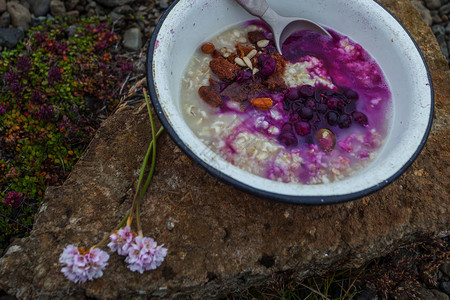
{"type": "Point", "coordinates": [314, 115]}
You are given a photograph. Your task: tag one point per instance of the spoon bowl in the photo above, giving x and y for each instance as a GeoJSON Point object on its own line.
{"type": "Point", "coordinates": [282, 27]}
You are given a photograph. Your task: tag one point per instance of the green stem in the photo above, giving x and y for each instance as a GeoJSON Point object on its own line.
{"type": "Point", "coordinates": [102, 242]}
{"type": "Point", "coordinates": [141, 175]}
{"type": "Point", "coordinates": [152, 166]}
{"type": "Point", "coordinates": [140, 192]}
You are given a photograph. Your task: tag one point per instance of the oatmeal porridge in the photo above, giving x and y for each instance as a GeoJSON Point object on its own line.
{"type": "Point", "coordinates": [315, 115]}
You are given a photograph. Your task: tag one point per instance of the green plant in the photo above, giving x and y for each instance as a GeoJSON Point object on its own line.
{"type": "Point", "coordinates": [56, 84]}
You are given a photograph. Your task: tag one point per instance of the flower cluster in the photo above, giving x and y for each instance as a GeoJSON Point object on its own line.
{"type": "Point", "coordinates": [80, 265]}
{"type": "Point", "coordinates": [13, 199]}
{"type": "Point", "coordinates": [121, 240]}
{"type": "Point", "coordinates": [142, 253]}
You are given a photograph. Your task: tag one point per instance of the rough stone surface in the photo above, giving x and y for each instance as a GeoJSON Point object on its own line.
{"type": "Point", "coordinates": [433, 4]}
{"type": "Point", "coordinates": [445, 286]}
{"type": "Point", "coordinates": [438, 295]}
{"type": "Point", "coordinates": [114, 3]}
{"type": "Point", "coordinates": [220, 239]}
{"type": "Point", "coordinates": [73, 14]}
{"type": "Point", "coordinates": [57, 8]}
{"type": "Point", "coordinates": [2, 6]}
{"type": "Point", "coordinates": [40, 7]}
{"type": "Point", "coordinates": [445, 268]}
{"type": "Point", "coordinates": [5, 19]}
{"type": "Point", "coordinates": [20, 15]}
{"type": "Point", "coordinates": [424, 12]}
{"type": "Point", "coordinates": [9, 37]}
{"type": "Point", "coordinates": [132, 39]}
{"type": "Point", "coordinates": [71, 4]}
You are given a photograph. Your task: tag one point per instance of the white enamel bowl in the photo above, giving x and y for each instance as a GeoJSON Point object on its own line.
{"type": "Point", "coordinates": [188, 23]}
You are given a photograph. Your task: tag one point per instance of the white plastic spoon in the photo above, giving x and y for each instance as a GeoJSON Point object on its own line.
{"type": "Point", "coordinates": [282, 27]}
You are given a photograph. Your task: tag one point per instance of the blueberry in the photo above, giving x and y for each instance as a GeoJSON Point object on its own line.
{"type": "Point", "coordinates": [321, 108]}
{"type": "Point", "coordinates": [292, 93]}
{"type": "Point", "coordinates": [332, 118]}
{"type": "Point", "coordinates": [306, 113]}
{"type": "Point", "coordinates": [267, 64]}
{"type": "Point", "coordinates": [340, 105]}
{"type": "Point", "coordinates": [332, 103]}
{"type": "Point", "coordinates": [288, 139]}
{"type": "Point", "coordinates": [286, 127]}
{"type": "Point", "coordinates": [319, 96]}
{"type": "Point", "coordinates": [311, 103]}
{"type": "Point", "coordinates": [350, 107]}
{"type": "Point", "coordinates": [297, 106]}
{"type": "Point", "coordinates": [344, 121]}
{"type": "Point", "coordinates": [287, 105]}
{"type": "Point", "coordinates": [307, 91]}
{"type": "Point", "coordinates": [350, 94]}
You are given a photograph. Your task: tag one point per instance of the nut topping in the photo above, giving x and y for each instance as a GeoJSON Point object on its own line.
{"type": "Point", "coordinates": [262, 43]}
{"type": "Point", "coordinates": [262, 103]}
{"type": "Point", "coordinates": [208, 48]}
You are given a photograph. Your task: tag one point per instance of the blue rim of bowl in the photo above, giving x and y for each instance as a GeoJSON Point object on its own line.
{"type": "Point", "coordinates": [303, 200]}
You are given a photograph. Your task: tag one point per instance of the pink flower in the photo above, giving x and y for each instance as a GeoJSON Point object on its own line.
{"type": "Point", "coordinates": [80, 266]}
{"type": "Point", "coordinates": [121, 240]}
{"type": "Point", "coordinates": [144, 254]}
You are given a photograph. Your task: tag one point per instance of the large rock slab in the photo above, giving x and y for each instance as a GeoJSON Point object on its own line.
{"type": "Point", "coordinates": [221, 239]}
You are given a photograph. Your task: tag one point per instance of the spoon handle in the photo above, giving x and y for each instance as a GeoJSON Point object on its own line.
{"type": "Point", "coordinates": [254, 7]}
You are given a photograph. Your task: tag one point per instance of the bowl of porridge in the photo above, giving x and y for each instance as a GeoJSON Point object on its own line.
{"type": "Point", "coordinates": [331, 120]}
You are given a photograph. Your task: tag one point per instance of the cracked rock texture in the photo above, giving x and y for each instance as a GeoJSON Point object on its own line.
{"type": "Point", "coordinates": [220, 239]}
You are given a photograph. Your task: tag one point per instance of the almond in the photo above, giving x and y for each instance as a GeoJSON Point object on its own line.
{"type": "Point", "coordinates": [261, 103]}
{"type": "Point", "coordinates": [240, 62]}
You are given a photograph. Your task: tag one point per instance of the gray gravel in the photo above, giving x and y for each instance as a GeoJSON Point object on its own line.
{"type": "Point", "coordinates": [436, 13]}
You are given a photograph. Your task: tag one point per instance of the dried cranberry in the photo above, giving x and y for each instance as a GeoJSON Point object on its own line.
{"type": "Point", "coordinates": [360, 118]}
{"type": "Point", "coordinates": [307, 91]}
{"type": "Point", "coordinates": [306, 113]}
{"type": "Point", "coordinates": [344, 121]}
{"type": "Point", "coordinates": [303, 128]}
{"type": "Point", "coordinates": [332, 118]}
